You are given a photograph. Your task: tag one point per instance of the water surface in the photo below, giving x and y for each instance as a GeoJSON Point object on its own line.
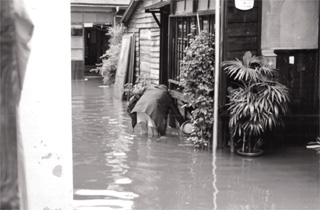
{"type": "Point", "coordinates": [117, 168]}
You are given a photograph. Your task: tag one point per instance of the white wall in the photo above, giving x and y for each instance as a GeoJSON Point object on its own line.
{"type": "Point", "coordinates": [45, 108]}
{"type": "Point", "coordinates": [290, 24]}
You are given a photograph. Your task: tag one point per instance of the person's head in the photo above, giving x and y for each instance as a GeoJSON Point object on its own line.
{"type": "Point", "coordinates": [163, 87]}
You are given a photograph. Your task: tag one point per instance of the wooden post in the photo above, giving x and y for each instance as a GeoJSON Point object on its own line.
{"type": "Point", "coordinates": [319, 69]}
{"type": "Point", "coordinates": [198, 22]}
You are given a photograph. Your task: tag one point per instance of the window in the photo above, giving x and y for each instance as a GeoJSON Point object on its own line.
{"type": "Point", "coordinates": [182, 19]}
{"type": "Point", "coordinates": [76, 30]}
{"type": "Point", "coordinates": [202, 5]}
{"type": "Point", "coordinates": [181, 34]}
{"type": "Point", "coordinates": [189, 6]}
{"type": "Point", "coordinates": [180, 7]}
{"type": "Point", "coordinates": [206, 5]}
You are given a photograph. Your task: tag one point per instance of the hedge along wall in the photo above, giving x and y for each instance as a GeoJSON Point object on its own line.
{"type": "Point", "coordinates": [288, 24]}
{"type": "Point", "coordinates": [147, 35]}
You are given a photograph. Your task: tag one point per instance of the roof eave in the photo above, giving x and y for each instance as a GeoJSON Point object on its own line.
{"type": "Point", "coordinates": [157, 6]}
{"type": "Point", "coordinates": [96, 5]}
{"type": "Point", "coordinates": [129, 11]}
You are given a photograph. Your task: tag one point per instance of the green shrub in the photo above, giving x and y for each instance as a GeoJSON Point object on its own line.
{"type": "Point", "coordinates": [196, 77]}
{"type": "Point", "coordinates": [109, 64]}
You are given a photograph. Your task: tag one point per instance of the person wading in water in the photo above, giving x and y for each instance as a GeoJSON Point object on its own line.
{"type": "Point", "coordinates": [150, 108]}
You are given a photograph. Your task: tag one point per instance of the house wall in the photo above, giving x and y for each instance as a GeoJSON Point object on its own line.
{"type": "Point", "coordinates": [290, 33]}
{"type": "Point", "coordinates": [241, 30]}
{"type": "Point", "coordinates": [288, 24]}
{"type": "Point", "coordinates": [147, 48]}
{"type": "Point", "coordinates": [45, 152]}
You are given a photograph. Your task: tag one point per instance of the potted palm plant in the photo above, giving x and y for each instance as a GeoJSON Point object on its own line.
{"type": "Point", "coordinates": [257, 101]}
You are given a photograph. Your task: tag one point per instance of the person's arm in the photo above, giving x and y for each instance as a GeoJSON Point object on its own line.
{"type": "Point", "coordinates": [132, 102]}
{"type": "Point", "coordinates": [175, 111]}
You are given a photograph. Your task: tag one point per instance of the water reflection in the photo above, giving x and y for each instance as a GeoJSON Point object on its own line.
{"type": "Point", "coordinates": [286, 178]}
{"type": "Point", "coordinates": [116, 168]}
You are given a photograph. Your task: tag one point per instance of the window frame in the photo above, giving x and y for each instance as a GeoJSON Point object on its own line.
{"type": "Point", "coordinates": [182, 9]}
{"type": "Point", "coordinates": [180, 39]}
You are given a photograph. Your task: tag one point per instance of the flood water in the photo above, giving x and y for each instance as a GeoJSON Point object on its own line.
{"type": "Point", "coordinates": [117, 168]}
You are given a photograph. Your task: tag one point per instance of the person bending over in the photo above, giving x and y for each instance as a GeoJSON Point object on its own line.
{"type": "Point", "coordinates": [150, 109]}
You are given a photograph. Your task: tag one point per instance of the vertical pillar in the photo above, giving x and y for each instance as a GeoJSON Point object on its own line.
{"type": "Point", "coordinates": [319, 65]}
{"type": "Point", "coordinates": [9, 98]}
{"type": "Point", "coordinates": [45, 108]}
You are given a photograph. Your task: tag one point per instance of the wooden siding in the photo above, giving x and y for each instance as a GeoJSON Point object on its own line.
{"type": "Point", "coordinates": [147, 51]}
{"type": "Point", "coordinates": [242, 30]}
{"type": "Point", "coordinates": [299, 71]}
{"type": "Point", "coordinates": [301, 77]}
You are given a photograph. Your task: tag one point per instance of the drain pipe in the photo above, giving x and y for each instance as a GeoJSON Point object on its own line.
{"type": "Point", "coordinates": [216, 98]}
{"type": "Point", "coordinates": [216, 76]}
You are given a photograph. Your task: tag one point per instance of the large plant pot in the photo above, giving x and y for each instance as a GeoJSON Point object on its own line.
{"type": "Point", "coordinates": [250, 154]}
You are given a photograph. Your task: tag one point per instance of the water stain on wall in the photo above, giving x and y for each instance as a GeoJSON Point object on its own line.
{"type": "Point", "coordinates": [57, 171]}
{"type": "Point", "coordinates": [47, 156]}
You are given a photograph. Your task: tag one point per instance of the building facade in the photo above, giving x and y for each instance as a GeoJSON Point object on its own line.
{"type": "Point", "coordinates": [89, 24]}
{"type": "Point", "coordinates": [147, 38]}
{"type": "Point", "coordinates": [290, 44]}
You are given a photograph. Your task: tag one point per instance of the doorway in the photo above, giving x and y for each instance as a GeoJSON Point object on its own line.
{"type": "Point", "coordinates": [96, 44]}
{"type": "Point", "coordinates": [300, 73]}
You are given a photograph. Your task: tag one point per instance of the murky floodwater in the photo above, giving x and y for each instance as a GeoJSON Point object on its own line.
{"type": "Point", "coordinates": [116, 168]}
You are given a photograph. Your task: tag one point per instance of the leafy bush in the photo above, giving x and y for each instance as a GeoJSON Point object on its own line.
{"type": "Point", "coordinates": [109, 64]}
{"type": "Point", "coordinates": [197, 70]}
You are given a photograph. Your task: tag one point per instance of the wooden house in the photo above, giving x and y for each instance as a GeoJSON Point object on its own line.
{"type": "Point", "coordinates": [289, 42]}
{"type": "Point", "coordinates": [146, 31]}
